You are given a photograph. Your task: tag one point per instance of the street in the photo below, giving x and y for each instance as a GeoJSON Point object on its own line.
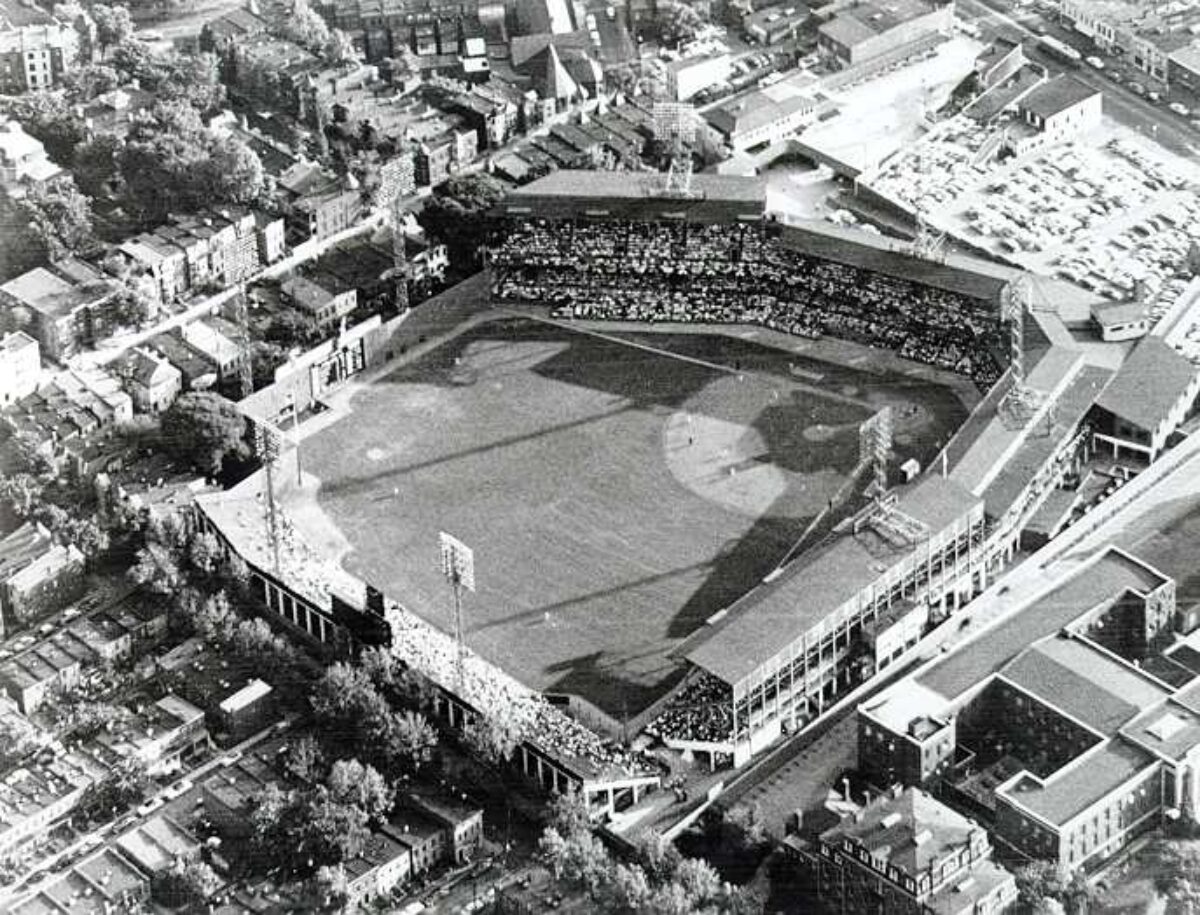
{"type": "Point", "coordinates": [1121, 104]}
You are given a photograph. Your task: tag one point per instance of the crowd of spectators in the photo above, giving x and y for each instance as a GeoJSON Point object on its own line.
{"type": "Point", "coordinates": [700, 712]}
{"type": "Point", "coordinates": [485, 687]}
{"type": "Point", "coordinates": [738, 274]}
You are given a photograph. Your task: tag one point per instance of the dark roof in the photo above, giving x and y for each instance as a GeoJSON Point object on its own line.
{"type": "Point", "coordinates": [1148, 385]}
{"type": "Point", "coordinates": [888, 829]}
{"type": "Point", "coordinates": [1087, 685]}
{"type": "Point", "coordinates": [1100, 581]}
{"type": "Point", "coordinates": [770, 618]}
{"type": "Point", "coordinates": [1078, 785]}
{"type": "Point", "coordinates": [22, 546]}
{"type": "Point", "coordinates": [965, 275]}
{"type": "Point", "coordinates": [1058, 95]}
{"type": "Point", "coordinates": [637, 195]}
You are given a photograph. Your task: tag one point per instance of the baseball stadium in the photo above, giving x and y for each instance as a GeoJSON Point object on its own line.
{"type": "Point", "coordinates": [714, 472]}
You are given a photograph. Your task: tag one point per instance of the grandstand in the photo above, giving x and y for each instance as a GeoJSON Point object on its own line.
{"type": "Point", "coordinates": [315, 598]}
{"type": "Point", "coordinates": [845, 611]}
{"type": "Point", "coordinates": [615, 247]}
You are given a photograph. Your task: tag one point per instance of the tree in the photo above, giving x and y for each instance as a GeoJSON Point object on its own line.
{"type": "Point", "coordinates": [698, 880]}
{"type": "Point", "coordinates": [331, 887]}
{"type": "Point", "coordinates": [412, 739]}
{"type": "Point", "coordinates": [85, 83]}
{"type": "Point", "coordinates": [206, 429]}
{"type": "Point", "coordinates": [1048, 906]}
{"type": "Point", "coordinates": [1177, 870]}
{"type": "Point", "coordinates": [630, 888]}
{"type": "Point", "coordinates": [350, 782]}
{"type": "Point", "coordinates": [304, 760]}
{"type": "Point", "coordinates": [189, 882]}
{"type": "Point", "coordinates": [456, 215]}
{"type": "Point", "coordinates": [22, 491]}
{"type": "Point", "coordinates": [205, 553]}
{"type": "Point", "coordinates": [114, 25]}
{"type": "Point", "coordinates": [156, 569]}
{"type": "Point", "coordinates": [569, 813]}
{"type": "Point", "coordinates": [338, 49]}
{"type": "Point", "coordinates": [578, 858]}
{"type": "Point", "coordinates": [677, 23]}
{"type": "Point", "coordinates": [95, 163]}
{"type": "Point", "coordinates": [131, 308]}
{"type": "Point", "coordinates": [305, 27]}
{"type": "Point", "coordinates": [48, 117]}
{"type": "Point", "coordinates": [233, 172]}
{"type": "Point", "coordinates": [215, 621]}
{"type": "Point", "coordinates": [493, 738]}
{"type": "Point", "coordinates": [329, 831]}
{"type": "Point", "coordinates": [61, 217]}
{"type": "Point", "coordinates": [660, 857]}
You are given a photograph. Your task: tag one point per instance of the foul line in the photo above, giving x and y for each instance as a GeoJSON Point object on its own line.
{"type": "Point", "coordinates": [769, 377]}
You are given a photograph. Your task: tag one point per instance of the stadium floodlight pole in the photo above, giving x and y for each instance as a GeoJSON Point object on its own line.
{"type": "Point", "coordinates": [458, 568]}
{"type": "Point", "coordinates": [296, 438]}
{"type": "Point", "coordinates": [268, 452]}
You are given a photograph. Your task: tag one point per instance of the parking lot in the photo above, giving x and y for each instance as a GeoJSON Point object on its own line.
{"type": "Point", "coordinates": [1111, 212]}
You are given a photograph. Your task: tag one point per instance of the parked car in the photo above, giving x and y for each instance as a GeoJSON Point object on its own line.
{"type": "Point", "coordinates": [1180, 109]}
{"type": "Point", "coordinates": [1094, 61]}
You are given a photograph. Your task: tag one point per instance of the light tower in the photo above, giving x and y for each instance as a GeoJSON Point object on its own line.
{"type": "Point", "coordinates": [458, 568]}
{"type": "Point", "coordinates": [241, 318]}
{"type": "Point", "coordinates": [675, 129]}
{"type": "Point", "coordinates": [266, 443]}
{"type": "Point", "coordinates": [875, 449]}
{"type": "Point", "coordinates": [396, 214]}
{"type": "Point", "coordinates": [1021, 402]}
{"type": "Point", "coordinates": [929, 242]}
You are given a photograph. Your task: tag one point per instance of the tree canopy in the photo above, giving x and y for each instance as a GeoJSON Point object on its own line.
{"type": "Point", "coordinates": [206, 429]}
{"type": "Point", "coordinates": [455, 215]}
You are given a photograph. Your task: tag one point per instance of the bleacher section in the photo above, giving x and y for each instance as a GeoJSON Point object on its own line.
{"type": "Point", "coordinates": [589, 252]}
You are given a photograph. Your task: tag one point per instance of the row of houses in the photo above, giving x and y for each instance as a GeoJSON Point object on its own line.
{"type": "Point", "coordinates": [58, 780]}
{"type": "Point", "coordinates": [37, 575]}
{"type": "Point", "coordinates": [62, 660]}
{"type": "Point", "coordinates": [426, 830]}
{"type": "Point", "coordinates": [69, 305]}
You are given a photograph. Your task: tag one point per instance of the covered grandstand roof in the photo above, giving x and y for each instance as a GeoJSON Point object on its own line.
{"type": "Point", "coordinates": [969, 276]}
{"type": "Point", "coordinates": [773, 616]}
{"type": "Point", "coordinates": [637, 195]}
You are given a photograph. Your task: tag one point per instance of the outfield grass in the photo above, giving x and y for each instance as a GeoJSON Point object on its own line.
{"type": "Point", "coordinates": [615, 497]}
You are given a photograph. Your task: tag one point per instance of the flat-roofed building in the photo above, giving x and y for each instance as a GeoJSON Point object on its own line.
{"type": "Point", "coordinates": [247, 710]}
{"type": "Point", "coordinates": [36, 49]}
{"type": "Point", "coordinates": [40, 793]}
{"type": "Point", "coordinates": [20, 366]}
{"type": "Point", "coordinates": [322, 307]}
{"type": "Point", "coordinates": [1055, 723]}
{"type": "Point", "coordinates": [861, 31]}
{"type": "Point", "coordinates": [47, 583]}
{"type": "Point", "coordinates": [23, 160]}
{"type": "Point", "coordinates": [102, 884]}
{"type": "Point", "coordinates": [1120, 321]}
{"type": "Point", "coordinates": [60, 305]}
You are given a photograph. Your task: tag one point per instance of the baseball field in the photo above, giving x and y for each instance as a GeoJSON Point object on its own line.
{"type": "Point", "coordinates": [617, 489]}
